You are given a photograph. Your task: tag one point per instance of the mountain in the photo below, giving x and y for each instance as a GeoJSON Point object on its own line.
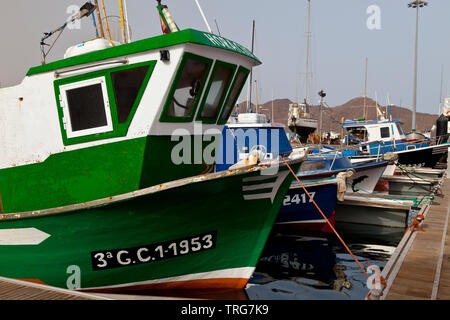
{"type": "Point", "coordinates": [352, 109]}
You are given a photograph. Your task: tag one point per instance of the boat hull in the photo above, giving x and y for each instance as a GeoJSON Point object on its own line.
{"type": "Point", "coordinates": [303, 128]}
{"type": "Point", "coordinates": [424, 157]}
{"type": "Point", "coordinates": [206, 234]}
{"type": "Point", "coordinates": [298, 212]}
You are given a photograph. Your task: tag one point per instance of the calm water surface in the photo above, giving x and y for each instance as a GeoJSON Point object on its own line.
{"type": "Point", "coordinates": [318, 266]}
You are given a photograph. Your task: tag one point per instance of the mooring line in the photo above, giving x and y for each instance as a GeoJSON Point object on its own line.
{"type": "Point", "coordinates": [328, 222]}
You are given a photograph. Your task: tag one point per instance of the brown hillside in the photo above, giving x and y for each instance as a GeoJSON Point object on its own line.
{"type": "Point", "coordinates": [352, 109]}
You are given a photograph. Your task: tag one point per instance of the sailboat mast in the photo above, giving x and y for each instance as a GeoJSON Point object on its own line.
{"type": "Point", "coordinates": [365, 90]}
{"type": "Point", "coordinates": [308, 36]}
{"type": "Point", "coordinates": [249, 102]}
{"type": "Point", "coordinates": [442, 82]}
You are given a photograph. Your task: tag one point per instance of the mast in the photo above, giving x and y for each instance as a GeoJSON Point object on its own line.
{"type": "Point", "coordinates": [126, 20]}
{"type": "Point", "coordinates": [108, 32]}
{"type": "Point", "coordinates": [308, 36]}
{"type": "Point", "coordinates": [122, 21]}
{"type": "Point", "coordinates": [442, 82]}
{"type": "Point", "coordinates": [249, 102]}
{"type": "Point", "coordinates": [365, 115]}
{"type": "Point", "coordinates": [99, 18]}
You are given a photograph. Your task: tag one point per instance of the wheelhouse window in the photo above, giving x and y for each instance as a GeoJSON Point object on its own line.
{"type": "Point", "coordinates": [399, 128]}
{"type": "Point", "coordinates": [86, 108]}
{"type": "Point", "coordinates": [127, 84]}
{"type": "Point", "coordinates": [312, 165]}
{"type": "Point", "coordinates": [385, 132]}
{"type": "Point", "coordinates": [187, 88]}
{"type": "Point", "coordinates": [234, 94]}
{"type": "Point", "coordinates": [216, 91]}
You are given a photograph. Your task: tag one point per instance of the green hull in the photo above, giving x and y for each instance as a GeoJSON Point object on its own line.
{"type": "Point", "coordinates": [224, 222]}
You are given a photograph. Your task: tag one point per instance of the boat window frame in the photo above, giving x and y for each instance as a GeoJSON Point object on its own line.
{"type": "Point", "coordinates": [164, 117]}
{"type": "Point", "coordinates": [388, 132]}
{"type": "Point", "coordinates": [217, 64]}
{"type": "Point", "coordinates": [64, 104]}
{"type": "Point", "coordinates": [118, 129]}
{"type": "Point", "coordinates": [247, 73]}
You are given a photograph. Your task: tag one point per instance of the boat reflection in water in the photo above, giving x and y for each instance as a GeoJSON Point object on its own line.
{"type": "Point", "coordinates": [315, 267]}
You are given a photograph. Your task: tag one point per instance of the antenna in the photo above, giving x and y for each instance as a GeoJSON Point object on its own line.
{"type": "Point", "coordinates": [203, 15]}
{"type": "Point", "coordinates": [217, 25]}
{"type": "Point", "coordinates": [308, 37]}
{"type": "Point", "coordinates": [85, 11]}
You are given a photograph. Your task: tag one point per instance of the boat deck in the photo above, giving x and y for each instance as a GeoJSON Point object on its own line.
{"type": "Point", "coordinates": [420, 267]}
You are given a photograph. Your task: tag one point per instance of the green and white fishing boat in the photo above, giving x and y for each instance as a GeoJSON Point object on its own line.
{"type": "Point", "coordinates": [94, 196]}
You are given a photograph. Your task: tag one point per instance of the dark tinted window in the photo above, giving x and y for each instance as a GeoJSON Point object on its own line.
{"type": "Point", "coordinates": [385, 132]}
{"type": "Point", "coordinates": [234, 95]}
{"type": "Point", "coordinates": [312, 165]}
{"type": "Point", "coordinates": [187, 89]}
{"type": "Point", "coordinates": [127, 84]}
{"type": "Point", "coordinates": [219, 83]}
{"type": "Point", "coordinates": [86, 107]}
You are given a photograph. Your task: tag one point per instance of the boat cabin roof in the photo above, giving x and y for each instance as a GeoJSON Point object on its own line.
{"type": "Point", "coordinates": [363, 123]}
{"type": "Point", "coordinates": [162, 41]}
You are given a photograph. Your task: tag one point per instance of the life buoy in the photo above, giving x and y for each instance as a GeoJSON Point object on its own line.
{"type": "Point", "coordinates": [447, 113]}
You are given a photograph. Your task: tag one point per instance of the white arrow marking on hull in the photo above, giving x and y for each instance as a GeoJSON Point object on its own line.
{"type": "Point", "coordinates": [22, 237]}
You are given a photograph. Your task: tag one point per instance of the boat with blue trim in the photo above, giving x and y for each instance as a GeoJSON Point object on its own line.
{"type": "Point", "coordinates": [251, 133]}
{"type": "Point", "coordinates": [377, 137]}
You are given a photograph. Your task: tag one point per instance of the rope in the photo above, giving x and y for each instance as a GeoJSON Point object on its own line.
{"type": "Point", "coordinates": [414, 226]}
{"type": "Point", "coordinates": [328, 222]}
{"type": "Point", "coordinates": [411, 172]}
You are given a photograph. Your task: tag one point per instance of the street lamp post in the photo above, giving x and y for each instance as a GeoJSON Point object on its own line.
{"type": "Point", "coordinates": [416, 4]}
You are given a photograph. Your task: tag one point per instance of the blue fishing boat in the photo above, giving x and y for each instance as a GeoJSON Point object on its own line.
{"type": "Point", "coordinates": [377, 137]}
{"type": "Point", "coordinates": [252, 133]}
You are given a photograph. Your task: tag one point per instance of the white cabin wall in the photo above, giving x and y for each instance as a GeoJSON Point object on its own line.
{"type": "Point", "coordinates": [29, 129]}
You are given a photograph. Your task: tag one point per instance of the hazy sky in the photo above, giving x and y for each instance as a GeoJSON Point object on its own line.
{"type": "Point", "coordinates": [341, 40]}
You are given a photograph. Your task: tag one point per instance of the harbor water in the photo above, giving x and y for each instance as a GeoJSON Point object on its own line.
{"type": "Point", "coordinates": [310, 267]}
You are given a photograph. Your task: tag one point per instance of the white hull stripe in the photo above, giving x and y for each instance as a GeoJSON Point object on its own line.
{"type": "Point", "coordinates": [22, 237]}
{"type": "Point", "coordinates": [235, 273]}
{"type": "Point", "coordinates": [273, 185]}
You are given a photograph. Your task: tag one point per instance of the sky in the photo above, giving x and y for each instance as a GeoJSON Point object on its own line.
{"type": "Point", "coordinates": [343, 34]}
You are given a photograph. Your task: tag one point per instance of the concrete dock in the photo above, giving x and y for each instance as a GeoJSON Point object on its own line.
{"type": "Point", "coordinates": [419, 269]}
